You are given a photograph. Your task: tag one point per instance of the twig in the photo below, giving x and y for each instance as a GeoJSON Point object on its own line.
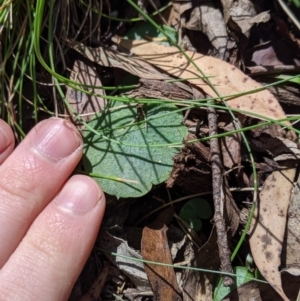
{"type": "Point", "coordinates": [262, 70]}
{"type": "Point", "coordinates": [217, 175]}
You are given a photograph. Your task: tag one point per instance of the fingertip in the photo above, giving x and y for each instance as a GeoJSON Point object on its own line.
{"type": "Point", "coordinates": [57, 244]}
{"type": "Point", "coordinates": [55, 138]}
{"type": "Point", "coordinates": [80, 195]}
{"type": "Point", "coordinates": [7, 141]}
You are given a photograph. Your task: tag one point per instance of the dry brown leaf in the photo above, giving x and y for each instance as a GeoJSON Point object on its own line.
{"type": "Point", "coordinates": [83, 104]}
{"type": "Point", "coordinates": [226, 9]}
{"type": "Point", "coordinates": [133, 269]}
{"type": "Point", "coordinates": [244, 15]}
{"type": "Point", "coordinates": [111, 58]}
{"type": "Point", "coordinates": [293, 152]}
{"type": "Point", "coordinates": [207, 18]}
{"type": "Point", "coordinates": [154, 247]}
{"type": "Point", "coordinates": [281, 149]}
{"type": "Point", "coordinates": [225, 77]}
{"type": "Point", "coordinates": [292, 252]}
{"type": "Point", "coordinates": [269, 224]}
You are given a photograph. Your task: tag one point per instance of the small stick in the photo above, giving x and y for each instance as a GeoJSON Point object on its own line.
{"type": "Point", "coordinates": [217, 175]}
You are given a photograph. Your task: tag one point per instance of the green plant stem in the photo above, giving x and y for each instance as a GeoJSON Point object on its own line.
{"type": "Point", "coordinates": [289, 13]}
{"type": "Point", "coordinates": [177, 266]}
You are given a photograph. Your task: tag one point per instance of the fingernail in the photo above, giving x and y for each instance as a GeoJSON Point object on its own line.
{"type": "Point", "coordinates": [79, 196]}
{"type": "Point", "coordinates": [56, 138]}
{"type": "Point", "coordinates": [4, 141]}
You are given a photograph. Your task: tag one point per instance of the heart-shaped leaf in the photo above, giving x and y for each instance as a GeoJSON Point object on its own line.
{"type": "Point", "coordinates": [194, 210]}
{"type": "Point", "coordinates": [136, 151]}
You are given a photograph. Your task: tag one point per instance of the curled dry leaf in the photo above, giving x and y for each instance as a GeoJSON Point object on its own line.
{"type": "Point", "coordinates": [243, 14]}
{"type": "Point", "coordinates": [269, 223]}
{"type": "Point", "coordinates": [133, 269]}
{"type": "Point", "coordinates": [154, 247]}
{"type": "Point", "coordinates": [111, 58]}
{"type": "Point", "coordinates": [139, 67]}
{"type": "Point", "coordinates": [226, 78]}
{"type": "Point", "coordinates": [207, 18]}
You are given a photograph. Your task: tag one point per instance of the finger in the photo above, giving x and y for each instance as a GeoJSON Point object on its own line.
{"type": "Point", "coordinates": [32, 175]}
{"type": "Point", "coordinates": [7, 141]}
{"type": "Point", "coordinates": [49, 259]}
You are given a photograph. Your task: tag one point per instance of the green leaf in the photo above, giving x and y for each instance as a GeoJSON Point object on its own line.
{"type": "Point", "coordinates": [194, 210]}
{"type": "Point", "coordinates": [145, 30]}
{"type": "Point", "coordinates": [243, 275]}
{"type": "Point", "coordinates": [129, 149]}
{"type": "Point", "coordinates": [296, 3]}
{"type": "Point", "coordinates": [295, 80]}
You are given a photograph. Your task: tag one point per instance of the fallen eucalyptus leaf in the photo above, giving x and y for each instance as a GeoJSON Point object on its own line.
{"type": "Point", "coordinates": [269, 224]}
{"type": "Point", "coordinates": [291, 255]}
{"type": "Point", "coordinates": [227, 79]}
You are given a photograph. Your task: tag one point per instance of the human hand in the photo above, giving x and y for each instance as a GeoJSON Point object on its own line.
{"type": "Point", "coordinates": [48, 224]}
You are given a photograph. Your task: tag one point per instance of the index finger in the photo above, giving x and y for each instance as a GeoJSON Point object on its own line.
{"type": "Point", "coordinates": [32, 175]}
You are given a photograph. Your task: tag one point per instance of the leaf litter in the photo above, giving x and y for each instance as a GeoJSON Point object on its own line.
{"type": "Point", "coordinates": [187, 172]}
{"type": "Point", "coordinates": [227, 79]}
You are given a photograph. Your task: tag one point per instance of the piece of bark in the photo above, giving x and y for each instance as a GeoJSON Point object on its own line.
{"type": "Point", "coordinates": [152, 88]}
{"type": "Point", "coordinates": [267, 70]}
{"type": "Point", "coordinates": [286, 93]}
{"type": "Point", "coordinates": [192, 170]}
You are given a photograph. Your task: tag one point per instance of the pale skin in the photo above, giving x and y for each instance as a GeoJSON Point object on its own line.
{"type": "Point", "coordinates": [48, 221]}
